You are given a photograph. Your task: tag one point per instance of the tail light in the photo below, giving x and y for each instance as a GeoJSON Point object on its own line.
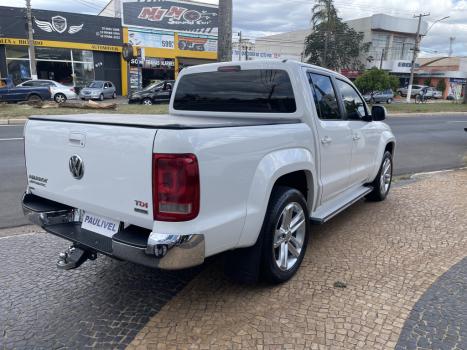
{"type": "Point", "coordinates": [175, 187]}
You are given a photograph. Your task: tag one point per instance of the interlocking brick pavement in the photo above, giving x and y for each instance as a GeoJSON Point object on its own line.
{"type": "Point", "coordinates": [388, 254]}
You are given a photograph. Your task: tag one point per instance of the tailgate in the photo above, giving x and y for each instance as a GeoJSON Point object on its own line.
{"type": "Point", "coordinates": [116, 161]}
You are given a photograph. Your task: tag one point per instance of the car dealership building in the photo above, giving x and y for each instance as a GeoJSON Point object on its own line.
{"type": "Point", "coordinates": [75, 49]}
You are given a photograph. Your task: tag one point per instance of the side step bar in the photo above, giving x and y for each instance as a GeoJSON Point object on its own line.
{"type": "Point", "coordinates": [321, 219]}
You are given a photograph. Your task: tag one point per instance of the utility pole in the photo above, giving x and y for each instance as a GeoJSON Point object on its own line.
{"type": "Point", "coordinates": [381, 60]}
{"type": "Point", "coordinates": [414, 55]}
{"type": "Point", "coordinates": [32, 52]}
{"type": "Point", "coordinates": [224, 40]}
{"type": "Point", "coordinates": [240, 46]}
{"type": "Point", "coordinates": [451, 40]}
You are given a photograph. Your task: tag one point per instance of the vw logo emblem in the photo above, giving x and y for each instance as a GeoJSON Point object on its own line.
{"type": "Point", "coordinates": [76, 166]}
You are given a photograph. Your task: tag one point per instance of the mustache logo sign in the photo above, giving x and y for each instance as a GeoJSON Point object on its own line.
{"type": "Point", "coordinates": [58, 24]}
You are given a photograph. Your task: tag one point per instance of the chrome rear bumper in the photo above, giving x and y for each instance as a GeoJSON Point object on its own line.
{"type": "Point", "coordinates": [134, 244]}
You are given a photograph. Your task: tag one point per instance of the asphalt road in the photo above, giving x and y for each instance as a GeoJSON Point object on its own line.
{"type": "Point", "coordinates": [425, 143]}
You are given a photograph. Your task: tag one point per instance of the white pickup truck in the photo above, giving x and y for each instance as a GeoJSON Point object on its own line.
{"type": "Point", "coordinates": [251, 155]}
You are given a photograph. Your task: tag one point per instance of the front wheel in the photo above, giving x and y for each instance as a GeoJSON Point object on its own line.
{"type": "Point", "coordinates": [147, 101]}
{"type": "Point", "coordinates": [382, 183]}
{"type": "Point", "coordinates": [114, 95]}
{"type": "Point", "coordinates": [101, 97]}
{"type": "Point", "coordinates": [285, 232]}
{"type": "Point", "coordinates": [389, 101]}
{"type": "Point", "coordinates": [60, 98]}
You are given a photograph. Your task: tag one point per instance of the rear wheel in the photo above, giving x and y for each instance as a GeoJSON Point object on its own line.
{"type": "Point", "coordinates": [114, 95]}
{"type": "Point", "coordinates": [389, 101]}
{"type": "Point", "coordinates": [60, 98]}
{"type": "Point", "coordinates": [285, 232]}
{"type": "Point", "coordinates": [382, 183]}
{"type": "Point", "coordinates": [34, 98]}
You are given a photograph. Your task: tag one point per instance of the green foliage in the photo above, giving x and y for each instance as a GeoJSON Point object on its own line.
{"type": "Point", "coordinates": [376, 79]}
{"type": "Point", "coordinates": [427, 82]}
{"type": "Point", "coordinates": [441, 86]}
{"type": "Point", "coordinates": [333, 44]}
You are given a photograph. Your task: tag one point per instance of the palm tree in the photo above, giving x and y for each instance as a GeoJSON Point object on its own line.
{"type": "Point", "coordinates": [324, 12]}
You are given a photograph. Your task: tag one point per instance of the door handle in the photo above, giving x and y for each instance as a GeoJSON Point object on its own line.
{"type": "Point", "coordinates": [326, 140]}
{"type": "Point", "coordinates": [356, 137]}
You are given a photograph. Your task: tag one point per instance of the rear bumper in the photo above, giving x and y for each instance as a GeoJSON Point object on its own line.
{"type": "Point", "coordinates": [134, 244]}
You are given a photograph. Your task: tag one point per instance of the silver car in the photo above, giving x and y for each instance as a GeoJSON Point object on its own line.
{"type": "Point", "coordinates": [59, 92]}
{"type": "Point", "coordinates": [98, 90]}
{"type": "Point", "coordinates": [415, 90]}
{"type": "Point", "coordinates": [379, 96]}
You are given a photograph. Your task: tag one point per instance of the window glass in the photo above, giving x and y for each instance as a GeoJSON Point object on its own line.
{"type": "Point", "coordinates": [28, 83]}
{"type": "Point", "coordinates": [18, 70]}
{"type": "Point", "coordinates": [82, 55]}
{"type": "Point", "coordinates": [16, 52]}
{"type": "Point", "coordinates": [47, 53]}
{"type": "Point", "coordinates": [250, 91]}
{"type": "Point", "coordinates": [325, 97]}
{"type": "Point", "coordinates": [84, 74]}
{"type": "Point", "coordinates": [354, 105]}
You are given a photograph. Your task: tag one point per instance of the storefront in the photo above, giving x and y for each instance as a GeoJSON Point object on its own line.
{"type": "Point", "coordinates": [70, 48]}
{"type": "Point", "coordinates": [168, 36]}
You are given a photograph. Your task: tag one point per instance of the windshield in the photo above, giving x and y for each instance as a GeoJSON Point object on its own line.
{"type": "Point", "coordinates": [96, 85]}
{"type": "Point", "coordinates": [156, 84]}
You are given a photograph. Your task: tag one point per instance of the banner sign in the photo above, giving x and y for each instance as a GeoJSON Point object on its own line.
{"type": "Point", "coordinates": [152, 62]}
{"type": "Point", "coordinates": [61, 26]}
{"type": "Point", "coordinates": [172, 15]}
{"type": "Point", "coordinates": [197, 43]}
{"type": "Point", "coordinates": [159, 40]}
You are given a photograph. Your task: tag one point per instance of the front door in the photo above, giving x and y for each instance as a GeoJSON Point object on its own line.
{"type": "Point", "coordinates": [365, 135]}
{"type": "Point", "coordinates": [334, 137]}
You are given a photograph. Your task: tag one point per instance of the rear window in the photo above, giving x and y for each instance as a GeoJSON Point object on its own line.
{"type": "Point", "coordinates": [249, 91]}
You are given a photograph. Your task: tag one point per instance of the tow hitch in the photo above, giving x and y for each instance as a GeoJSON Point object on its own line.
{"type": "Point", "coordinates": [74, 257]}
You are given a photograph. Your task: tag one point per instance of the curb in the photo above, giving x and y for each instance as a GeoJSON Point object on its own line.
{"type": "Point", "coordinates": [427, 114]}
{"type": "Point", "coordinates": [13, 121]}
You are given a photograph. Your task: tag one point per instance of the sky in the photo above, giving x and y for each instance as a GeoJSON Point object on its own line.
{"type": "Point", "coordinates": [263, 17]}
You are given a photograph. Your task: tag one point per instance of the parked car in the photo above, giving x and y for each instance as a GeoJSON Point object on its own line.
{"type": "Point", "coordinates": [98, 90]}
{"type": "Point", "coordinates": [60, 93]}
{"type": "Point", "coordinates": [11, 93]}
{"type": "Point", "coordinates": [157, 92]}
{"type": "Point", "coordinates": [379, 96]}
{"type": "Point", "coordinates": [250, 154]}
{"type": "Point", "coordinates": [415, 90]}
{"type": "Point", "coordinates": [432, 93]}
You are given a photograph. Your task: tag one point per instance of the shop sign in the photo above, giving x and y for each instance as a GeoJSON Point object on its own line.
{"type": "Point", "coordinates": [151, 39]}
{"type": "Point", "coordinates": [172, 15]}
{"type": "Point", "coordinates": [152, 62]}
{"type": "Point", "coordinates": [458, 80]}
{"type": "Point", "coordinates": [62, 26]}
{"type": "Point", "coordinates": [197, 43]}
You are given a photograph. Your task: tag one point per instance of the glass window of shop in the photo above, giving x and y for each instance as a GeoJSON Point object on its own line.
{"type": "Point", "coordinates": [67, 66]}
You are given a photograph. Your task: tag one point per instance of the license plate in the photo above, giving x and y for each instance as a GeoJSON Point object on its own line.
{"type": "Point", "coordinates": [99, 224]}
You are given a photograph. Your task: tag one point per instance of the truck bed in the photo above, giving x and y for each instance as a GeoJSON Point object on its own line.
{"type": "Point", "coordinates": [164, 121]}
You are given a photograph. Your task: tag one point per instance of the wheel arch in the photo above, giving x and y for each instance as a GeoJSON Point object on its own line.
{"type": "Point", "coordinates": [387, 143]}
{"type": "Point", "coordinates": [288, 167]}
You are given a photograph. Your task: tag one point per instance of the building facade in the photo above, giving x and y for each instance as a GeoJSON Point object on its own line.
{"type": "Point", "coordinates": [70, 48]}
{"type": "Point", "coordinates": [75, 49]}
{"type": "Point", "coordinates": [166, 35]}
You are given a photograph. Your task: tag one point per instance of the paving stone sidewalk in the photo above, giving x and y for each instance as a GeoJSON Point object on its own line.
{"type": "Point", "coordinates": [388, 254]}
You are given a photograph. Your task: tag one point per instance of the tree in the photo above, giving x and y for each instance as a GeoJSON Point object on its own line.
{"type": "Point", "coordinates": [376, 79]}
{"type": "Point", "coordinates": [332, 43]}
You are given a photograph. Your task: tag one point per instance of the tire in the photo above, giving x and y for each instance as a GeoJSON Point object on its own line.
{"type": "Point", "coordinates": [34, 98]}
{"type": "Point", "coordinates": [389, 101]}
{"type": "Point", "coordinates": [382, 183]}
{"type": "Point", "coordinates": [146, 101]}
{"type": "Point", "coordinates": [101, 97]}
{"type": "Point", "coordinates": [281, 262]}
{"type": "Point", "coordinates": [114, 95]}
{"type": "Point", "coordinates": [60, 98]}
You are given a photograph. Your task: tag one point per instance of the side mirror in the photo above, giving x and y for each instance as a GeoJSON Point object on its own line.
{"type": "Point", "coordinates": [378, 113]}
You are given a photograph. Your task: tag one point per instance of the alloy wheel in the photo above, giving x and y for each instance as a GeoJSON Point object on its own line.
{"type": "Point", "coordinates": [289, 236]}
{"type": "Point", "coordinates": [386, 176]}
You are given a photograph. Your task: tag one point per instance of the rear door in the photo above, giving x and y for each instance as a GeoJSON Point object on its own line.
{"type": "Point", "coordinates": [335, 142]}
{"type": "Point", "coordinates": [364, 133]}
{"type": "Point", "coordinates": [117, 162]}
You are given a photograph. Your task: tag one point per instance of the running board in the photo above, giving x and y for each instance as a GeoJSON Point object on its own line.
{"type": "Point", "coordinates": [327, 212]}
